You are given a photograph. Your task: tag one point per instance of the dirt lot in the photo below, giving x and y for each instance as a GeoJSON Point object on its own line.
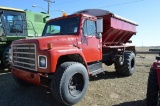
{"type": "Point", "coordinates": [106, 89]}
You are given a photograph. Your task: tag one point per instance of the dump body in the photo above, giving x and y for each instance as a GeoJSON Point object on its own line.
{"type": "Point", "coordinates": [116, 30]}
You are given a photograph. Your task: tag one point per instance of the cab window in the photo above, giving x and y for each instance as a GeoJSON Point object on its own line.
{"type": "Point", "coordinates": [89, 28]}
{"type": "Point", "coordinates": [14, 22]}
{"type": "Point", "coordinates": [1, 27]}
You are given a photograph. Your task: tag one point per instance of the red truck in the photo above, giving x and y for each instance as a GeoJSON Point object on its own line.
{"type": "Point", "coordinates": [153, 87]}
{"type": "Point", "coordinates": [71, 49]}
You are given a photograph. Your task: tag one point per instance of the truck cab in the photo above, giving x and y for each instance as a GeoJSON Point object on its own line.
{"type": "Point", "coordinates": [83, 28]}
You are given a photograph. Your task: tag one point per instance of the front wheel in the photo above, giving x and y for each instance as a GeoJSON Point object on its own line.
{"type": "Point", "coordinates": [70, 83]}
{"type": "Point", "coordinates": [152, 89]}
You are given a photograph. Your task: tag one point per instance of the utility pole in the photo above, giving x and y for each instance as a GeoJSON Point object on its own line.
{"type": "Point", "coordinates": [49, 1]}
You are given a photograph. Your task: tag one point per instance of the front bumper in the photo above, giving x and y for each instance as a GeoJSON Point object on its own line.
{"type": "Point", "coordinates": [31, 77]}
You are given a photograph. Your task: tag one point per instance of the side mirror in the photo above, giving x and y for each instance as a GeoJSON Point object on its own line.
{"type": "Point", "coordinates": [98, 35]}
{"type": "Point", "coordinates": [99, 26]}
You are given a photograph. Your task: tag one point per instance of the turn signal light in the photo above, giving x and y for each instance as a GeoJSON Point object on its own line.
{"type": "Point", "coordinates": [49, 45]}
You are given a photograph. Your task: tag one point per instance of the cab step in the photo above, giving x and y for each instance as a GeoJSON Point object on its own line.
{"type": "Point", "coordinates": [95, 72]}
{"type": "Point", "coordinates": [95, 68]}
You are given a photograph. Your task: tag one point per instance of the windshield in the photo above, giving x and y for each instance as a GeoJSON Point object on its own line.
{"type": "Point", "coordinates": [62, 27]}
{"type": "Point", "coordinates": [14, 23]}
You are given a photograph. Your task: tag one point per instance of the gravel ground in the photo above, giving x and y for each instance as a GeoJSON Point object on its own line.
{"type": "Point", "coordinates": [106, 89]}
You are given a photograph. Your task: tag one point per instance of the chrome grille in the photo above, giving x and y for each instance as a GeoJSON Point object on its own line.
{"type": "Point", "coordinates": [24, 56]}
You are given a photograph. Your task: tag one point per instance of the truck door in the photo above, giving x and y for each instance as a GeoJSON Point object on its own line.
{"type": "Point", "coordinates": [90, 44]}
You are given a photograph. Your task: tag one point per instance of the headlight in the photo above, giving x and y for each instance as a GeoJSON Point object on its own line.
{"type": "Point", "coordinates": [42, 62]}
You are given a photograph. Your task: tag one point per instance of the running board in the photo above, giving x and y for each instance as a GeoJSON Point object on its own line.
{"type": "Point", "coordinates": [95, 72]}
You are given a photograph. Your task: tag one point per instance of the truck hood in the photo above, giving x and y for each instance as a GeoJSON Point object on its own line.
{"type": "Point", "coordinates": [57, 41]}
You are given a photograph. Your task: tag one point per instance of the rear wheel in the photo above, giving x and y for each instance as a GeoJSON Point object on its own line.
{"type": "Point", "coordinates": [152, 89]}
{"type": "Point", "coordinates": [127, 66]}
{"type": "Point", "coordinates": [70, 83]}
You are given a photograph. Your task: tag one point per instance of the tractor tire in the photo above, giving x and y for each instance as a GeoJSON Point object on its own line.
{"type": "Point", "coordinates": [127, 67]}
{"type": "Point", "coordinates": [152, 89]}
{"type": "Point", "coordinates": [5, 59]}
{"type": "Point", "coordinates": [70, 83]}
{"type": "Point", "coordinates": [21, 82]}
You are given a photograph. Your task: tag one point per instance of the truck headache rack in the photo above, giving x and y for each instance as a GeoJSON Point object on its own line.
{"type": "Point", "coordinates": [24, 56]}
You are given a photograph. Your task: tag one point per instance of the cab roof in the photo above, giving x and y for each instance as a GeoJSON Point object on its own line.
{"type": "Point", "coordinates": [9, 8]}
{"type": "Point", "coordinates": [73, 15]}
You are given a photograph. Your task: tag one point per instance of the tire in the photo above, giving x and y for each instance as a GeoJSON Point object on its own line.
{"type": "Point", "coordinates": [152, 89]}
{"type": "Point", "coordinates": [1, 63]}
{"type": "Point", "coordinates": [127, 66]}
{"type": "Point", "coordinates": [109, 59]}
{"type": "Point", "coordinates": [5, 59]}
{"type": "Point", "coordinates": [21, 82]}
{"type": "Point", "coordinates": [70, 83]}
{"type": "Point", "coordinates": [108, 63]}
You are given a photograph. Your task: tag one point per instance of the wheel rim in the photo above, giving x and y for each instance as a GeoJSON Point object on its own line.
{"type": "Point", "coordinates": [76, 84]}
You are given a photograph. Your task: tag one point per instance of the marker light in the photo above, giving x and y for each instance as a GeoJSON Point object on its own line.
{"type": "Point", "coordinates": [64, 14]}
{"type": "Point", "coordinates": [49, 46]}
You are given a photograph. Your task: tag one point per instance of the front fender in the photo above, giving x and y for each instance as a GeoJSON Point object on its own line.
{"type": "Point", "coordinates": [61, 51]}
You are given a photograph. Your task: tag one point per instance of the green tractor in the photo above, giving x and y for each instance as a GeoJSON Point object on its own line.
{"type": "Point", "coordinates": [18, 24]}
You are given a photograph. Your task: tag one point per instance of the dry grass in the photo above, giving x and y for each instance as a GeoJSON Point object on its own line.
{"type": "Point", "coordinates": [106, 89]}
{"type": "Point", "coordinates": [110, 89]}
{"type": "Point", "coordinates": [146, 48]}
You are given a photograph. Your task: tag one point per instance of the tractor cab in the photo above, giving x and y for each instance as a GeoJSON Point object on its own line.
{"type": "Point", "coordinates": [12, 23]}
{"type": "Point", "coordinates": [18, 24]}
